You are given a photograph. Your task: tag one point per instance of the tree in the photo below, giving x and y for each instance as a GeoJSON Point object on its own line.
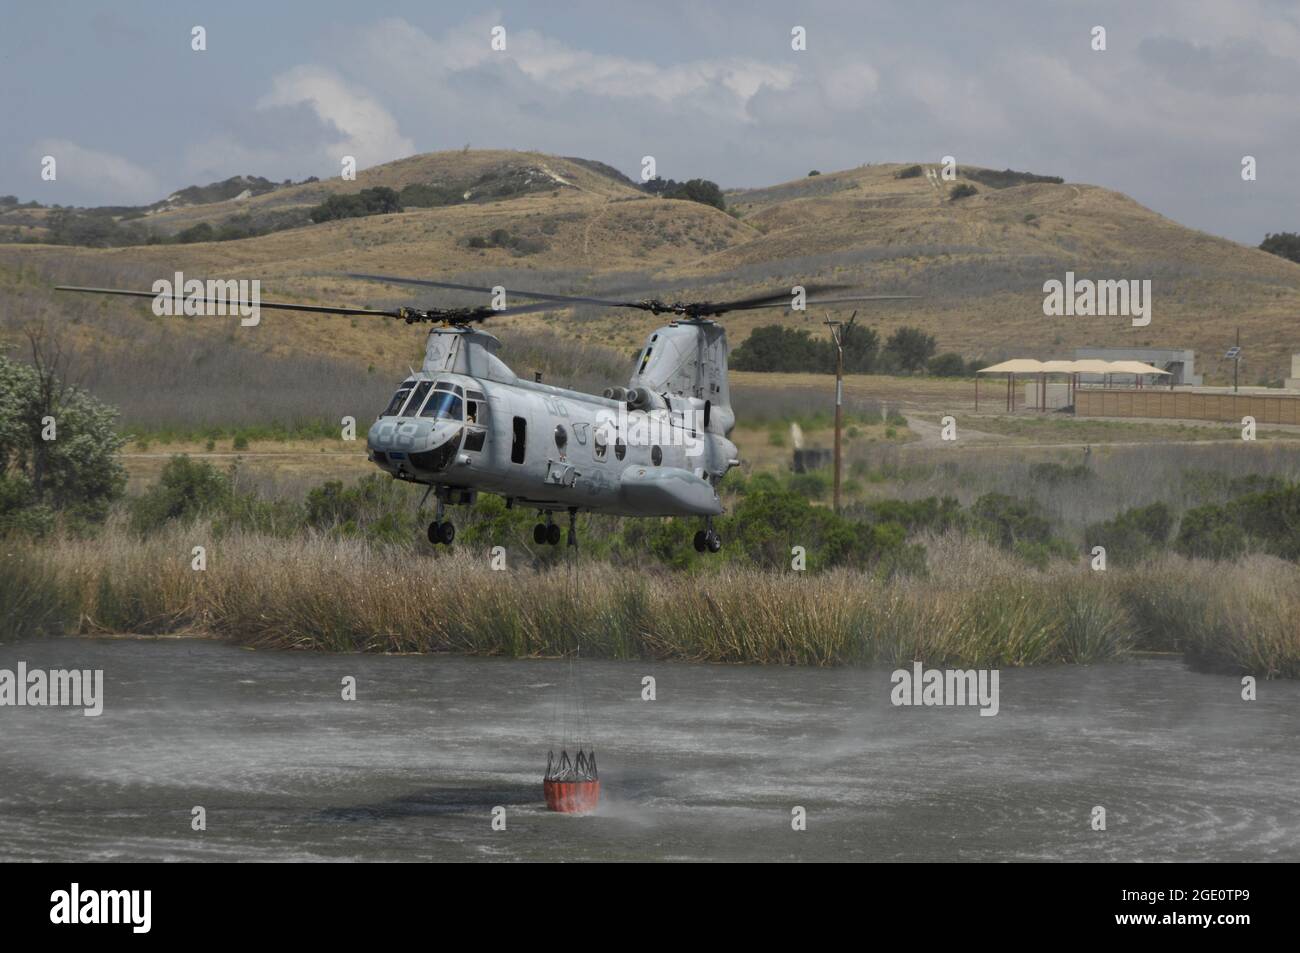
{"type": "Point", "coordinates": [777, 348]}
{"type": "Point", "coordinates": [861, 350]}
{"type": "Point", "coordinates": [202, 232]}
{"type": "Point", "coordinates": [961, 191]}
{"type": "Point", "coordinates": [695, 190]}
{"type": "Point", "coordinates": [909, 349]}
{"type": "Point", "coordinates": [58, 445]}
{"type": "Point", "coordinates": [947, 365]}
{"type": "Point", "coordinates": [1284, 244]}
{"type": "Point", "coordinates": [700, 190]}
{"type": "Point", "coordinates": [377, 201]}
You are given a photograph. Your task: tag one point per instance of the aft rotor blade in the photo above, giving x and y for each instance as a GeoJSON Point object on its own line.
{"type": "Point", "coordinates": [770, 300]}
{"type": "Point", "coordinates": [274, 305]}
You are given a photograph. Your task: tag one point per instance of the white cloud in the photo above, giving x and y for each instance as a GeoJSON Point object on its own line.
{"type": "Point", "coordinates": [90, 175]}
{"type": "Point", "coordinates": [368, 131]}
{"type": "Point", "coordinates": [720, 86]}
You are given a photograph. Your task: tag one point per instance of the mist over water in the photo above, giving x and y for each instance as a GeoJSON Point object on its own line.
{"type": "Point", "coordinates": [710, 770]}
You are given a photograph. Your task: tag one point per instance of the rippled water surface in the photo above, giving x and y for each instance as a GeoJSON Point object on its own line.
{"type": "Point", "coordinates": [412, 769]}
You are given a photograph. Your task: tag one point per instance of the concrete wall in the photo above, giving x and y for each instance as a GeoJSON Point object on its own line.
{"type": "Point", "coordinates": [1058, 395]}
{"type": "Point", "coordinates": [1183, 361]}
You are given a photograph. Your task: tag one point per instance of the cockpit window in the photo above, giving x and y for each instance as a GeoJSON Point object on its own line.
{"type": "Point", "coordinates": [443, 405]}
{"type": "Point", "coordinates": [417, 398]}
{"type": "Point", "coordinates": [403, 392]}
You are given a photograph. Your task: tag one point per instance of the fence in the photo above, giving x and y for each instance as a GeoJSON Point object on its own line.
{"type": "Point", "coordinates": [1186, 405]}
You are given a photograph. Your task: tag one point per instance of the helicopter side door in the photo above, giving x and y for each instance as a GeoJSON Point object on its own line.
{"type": "Point", "coordinates": [478, 422]}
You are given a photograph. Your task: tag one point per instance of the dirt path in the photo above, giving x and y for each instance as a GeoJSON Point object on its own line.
{"type": "Point", "coordinates": [930, 434]}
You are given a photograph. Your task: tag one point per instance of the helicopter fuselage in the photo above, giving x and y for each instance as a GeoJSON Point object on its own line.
{"type": "Point", "coordinates": [543, 446]}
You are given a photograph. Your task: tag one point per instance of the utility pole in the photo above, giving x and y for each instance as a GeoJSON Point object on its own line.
{"type": "Point", "coordinates": [1234, 355]}
{"type": "Point", "coordinates": [1236, 360]}
{"type": "Point", "coordinates": [837, 337]}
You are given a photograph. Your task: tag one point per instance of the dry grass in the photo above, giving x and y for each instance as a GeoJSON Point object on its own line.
{"type": "Point", "coordinates": [979, 264]}
{"type": "Point", "coordinates": [976, 606]}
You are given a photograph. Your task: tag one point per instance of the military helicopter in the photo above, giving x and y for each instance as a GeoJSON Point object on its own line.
{"type": "Point", "coordinates": [465, 423]}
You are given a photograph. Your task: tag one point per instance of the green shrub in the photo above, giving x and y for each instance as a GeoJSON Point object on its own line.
{"type": "Point", "coordinates": [186, 490]}
{"type": "Point", "coordinates": [1007, 177]}
{"type": "Point", "coordinates": [420, 195]}
{"type": "Point", "coordinates": [1055, 474]}
{"type": "Point", "coordinates": [1272, 518]}
{"type": "Point", "coordinates": [947, 365]}
{"type": "Point", "coordinates": [501, 238]}
{"type": "Point", "coordinates": [933, 513]}
{"type": "Point", "coordinates": [1008, 521]}
{"type": "Point", "coordinates": [814, 485]}
{"type": "Point", "coordinates": [1133, 535]}
{"type": "Point", "coordinates": [377, 201]}
{"type": "Point", "coordinates": [770, 519]}
{"type": "Point", "coordinates": [1040, 554]}
{"type": "Point", "coordinates": [1210, 532]}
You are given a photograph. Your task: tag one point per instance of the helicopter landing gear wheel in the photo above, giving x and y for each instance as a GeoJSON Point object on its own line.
{"type": "Point", "coordinates": [548, 533]}
{"type": "Point", "coordinates": [708, 538]}
{"type": "Point", "coordinates": [439, 532]}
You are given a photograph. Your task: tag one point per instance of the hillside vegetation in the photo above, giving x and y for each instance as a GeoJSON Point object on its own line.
{"type": "Point", "coordinates": [549, 223]}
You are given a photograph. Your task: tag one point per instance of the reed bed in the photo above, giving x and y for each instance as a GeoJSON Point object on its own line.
{"type": "Point", "coordinates": [975, 606]}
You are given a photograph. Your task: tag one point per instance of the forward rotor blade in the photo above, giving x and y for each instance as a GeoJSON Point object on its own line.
{"type": "Point", "coordinates": [740, 304]}
{"type": "Point", "coordinates": [816, 301]}
{"type": "Point", "coordinates": [540, 296]}
{"type": "Point", "coordinates": [273, 305]}
{"type": "Point", "coordinates": [521, 309]}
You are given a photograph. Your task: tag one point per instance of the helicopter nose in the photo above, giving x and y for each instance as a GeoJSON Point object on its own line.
{"type": "Point", "coordinates": [400, 444]}
{"type": "Point", "coordinates": [412, 436]}
{"type": "Point", "coordinates": [390, 434]}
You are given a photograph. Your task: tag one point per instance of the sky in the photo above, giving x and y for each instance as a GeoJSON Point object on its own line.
{"type": "Point", "coordinates": [1165, 113]}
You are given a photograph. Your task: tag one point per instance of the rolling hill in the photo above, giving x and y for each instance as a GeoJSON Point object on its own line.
{"type": "Point", "coordinates": [550, 223]}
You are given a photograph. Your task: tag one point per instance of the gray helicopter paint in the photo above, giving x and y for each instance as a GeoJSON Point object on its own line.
{"type": "Point", "coordinates": [686, 368]}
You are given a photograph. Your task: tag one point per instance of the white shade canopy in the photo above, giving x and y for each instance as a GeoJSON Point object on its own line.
{"type": "Point", "coordinates": [1027, 365]}
{"type": "Point", "coordinates": [1021, 365]}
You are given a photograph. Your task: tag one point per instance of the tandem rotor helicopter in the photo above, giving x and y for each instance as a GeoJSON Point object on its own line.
{"type": "Point", "coordinates": [465, 423]}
